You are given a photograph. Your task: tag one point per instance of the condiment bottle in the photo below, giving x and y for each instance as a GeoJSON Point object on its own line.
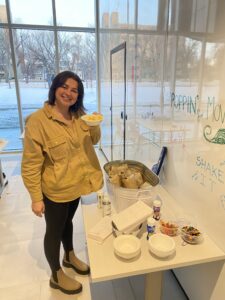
{"type": "Point", "coordinates": [100, 196]}
{"type": "Point", "coordinates": [106, 205]}
{"type": "Point", "coordinates": [156, 209]}
{"type": "Point", "coordinates": [150, 226]}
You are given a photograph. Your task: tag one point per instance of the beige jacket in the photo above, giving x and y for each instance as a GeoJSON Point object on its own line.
{"type": "Point", "coordinates": [59, 160]}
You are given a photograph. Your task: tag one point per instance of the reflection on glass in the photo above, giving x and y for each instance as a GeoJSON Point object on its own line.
{"type": "Point", "coordinates": [119, 14]}
{"type": "Point", "coordinates": [31, 12]}
{"type": "Point", "coordinates": [77, 54]}
{"type": "Point", "coordinates": [9, 119]}
{"type": "Point", "coordinates": [35, 55]}
{"type": "Point", "coordinates": [213, 89]}
{"type": "Point", "coordinates": [3, 14]}
{"type": "Point", "coordinates": [149, 60]}
{"type": "Point", "coordinates": [75, 13]}
{"type": "Point", "coordinates": [118, 104]}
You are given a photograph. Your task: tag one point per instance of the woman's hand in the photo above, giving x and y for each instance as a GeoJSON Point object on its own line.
{"type": "Point", "coordinates": [38, 208]}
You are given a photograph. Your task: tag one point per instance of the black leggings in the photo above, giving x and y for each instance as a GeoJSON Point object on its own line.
{"type": "Point", "coordinates": [59, 228]}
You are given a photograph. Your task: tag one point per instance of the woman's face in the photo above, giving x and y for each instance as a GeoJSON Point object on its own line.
{"type": "Point", "coordinates": [66, 95]}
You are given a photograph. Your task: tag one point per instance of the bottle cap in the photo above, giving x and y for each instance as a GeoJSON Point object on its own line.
{"type": "Point", "coordinates": [100, 192]}
{"type": "Point", "coordinates": [151, 221]}
{"type": "Point", "coordinates": [157, 203]}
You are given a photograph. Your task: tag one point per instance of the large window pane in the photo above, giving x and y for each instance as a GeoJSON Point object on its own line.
{"type": "Point", "coordinates": [147, 14]}
{"type": "Point", "coordinates": [9, 119]}
{"type": "Point", "coordinates": [77, 53]}
{"type": "Point", "coordinates": [117, 14]}
{"type": "Point", "coordinates": [35, 54]}
{"type": "Point", "coordinates": [3, 15]}
{"type": "Point", "coordinates": [31, 12]}
{"type": "Point", "coordinates": [75, 13]}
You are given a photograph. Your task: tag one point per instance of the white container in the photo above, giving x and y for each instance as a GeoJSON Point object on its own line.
{"type": "Point", "coordinates": [161, 245]}
{"type": "Point", "coordinates": [156, 209]}
{"type": "Point", "coordinates": [106, 206]}
{"type": "Point", "coordinates": [122, 197]}
{"type": "Point", "coordinates": [127, 246]}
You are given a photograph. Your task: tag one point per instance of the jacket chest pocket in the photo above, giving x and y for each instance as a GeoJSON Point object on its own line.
{"type": "Point", "coordinates": [58, 148]}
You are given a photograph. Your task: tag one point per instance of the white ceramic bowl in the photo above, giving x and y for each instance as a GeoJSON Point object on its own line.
{"type": "Point", "coordinates": [127, 246]}
{"type": "Point", "coordinates": [92, 120]}
{"type": "Point", "coordinates": [161, 245]}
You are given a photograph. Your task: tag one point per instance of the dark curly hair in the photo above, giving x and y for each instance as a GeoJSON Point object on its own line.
{"type": "Point", "coordinates": [59, 81]}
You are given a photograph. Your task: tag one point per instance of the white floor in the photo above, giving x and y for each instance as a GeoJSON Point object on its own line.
{"type": "Point", "coordinates": [24, 272]}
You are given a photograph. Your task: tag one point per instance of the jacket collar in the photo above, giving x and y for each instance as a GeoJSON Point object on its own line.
{"type": "Point", "coordinates": [50, 113]}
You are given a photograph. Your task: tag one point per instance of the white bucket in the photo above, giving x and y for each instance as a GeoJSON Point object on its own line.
{"type": "Point", "coordinates": [122, 198]}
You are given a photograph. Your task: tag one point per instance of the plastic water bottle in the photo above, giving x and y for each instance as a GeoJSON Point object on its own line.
{"type": "Point", "coordinates": [106, 205]}
{"type": "Point", "coordinates": [150, 226]}
{"type": "Point", "coordinates": [100, 196]}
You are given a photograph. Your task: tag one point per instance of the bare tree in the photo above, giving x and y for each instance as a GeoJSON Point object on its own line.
{"type": "Point", "coordinates": [88, 58]}
{"type": "Point", "coordinates": [70, 47]}
{"type": "Point", "coordinates": [35, 54]}
{"type": "Point", "coordinates": [5, 56]}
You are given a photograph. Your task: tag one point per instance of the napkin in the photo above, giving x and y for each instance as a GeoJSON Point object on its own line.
{"type": "Point", "coordinates": [135, 214]}
{"type": "Point", "coordinates": [101, 230]}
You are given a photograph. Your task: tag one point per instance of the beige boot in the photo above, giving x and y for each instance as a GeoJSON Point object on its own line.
{"type": "Point", "coordinates": [71, 261]}
{"type": "Point", "coordinates": [64, 283]}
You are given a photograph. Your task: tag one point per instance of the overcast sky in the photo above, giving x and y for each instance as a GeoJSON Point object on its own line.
{"type": "Point", "coordinates": [80, 12]}
{"type": "Point", "coordinates": [69, 12]}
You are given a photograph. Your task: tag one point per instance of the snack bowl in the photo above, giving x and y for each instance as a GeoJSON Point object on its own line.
{"type": "Point", "coordinates": [92, 119]}
{"type": "Point", "coordinates": [127, 246]}
{"type": "Point", "coordinates": [133, 230]}
{"type": "Point", "coordinates": [161, 245]}
{"type": "Point", "coordinates": [169, 227]}
{"type": "Point", "coordinates": [191, 234]}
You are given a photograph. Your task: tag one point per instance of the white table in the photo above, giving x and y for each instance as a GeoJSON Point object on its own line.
{"type": "Point", "coordinates": [105, 265]}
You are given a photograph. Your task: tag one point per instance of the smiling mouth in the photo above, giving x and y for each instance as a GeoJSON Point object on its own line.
{"type": "Point", "coordinates": [66, 98]}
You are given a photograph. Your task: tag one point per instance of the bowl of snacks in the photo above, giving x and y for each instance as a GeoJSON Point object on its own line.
{"type": "Point", "coordinates": [191, 234]}
{"type": "Point", "coordinates": [169, 227]}
{"type": "Point", "coordinates": [161, 245]}
{"type": "Point", "coordinates": [92, 119]}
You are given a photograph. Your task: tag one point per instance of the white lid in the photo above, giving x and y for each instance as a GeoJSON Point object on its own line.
{"type": "Point", "coordinates": [157, 203]}
{"type": "Point", "coordinates": [151, 221]}
{"type": "Point", "coordinates": [100, 192]}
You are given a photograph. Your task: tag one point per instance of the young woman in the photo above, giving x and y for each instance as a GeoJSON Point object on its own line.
{"type": "Point", "coordinates": [59, 165]}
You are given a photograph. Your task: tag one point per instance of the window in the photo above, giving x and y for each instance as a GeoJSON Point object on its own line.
{"type": "Point", "coordinates": [43, 47]}
{"type": "Point", "coordinates": [9, 117]}
{"type": "Point", "coordinates": [75, 13]}
{"type": "Point", "coordinates": [31, 12]}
